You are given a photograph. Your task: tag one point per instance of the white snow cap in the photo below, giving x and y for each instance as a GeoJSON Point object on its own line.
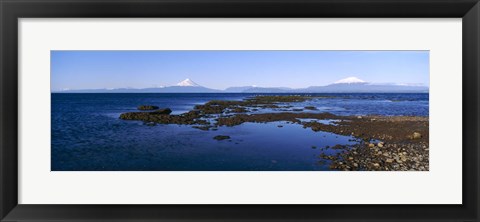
{"type": "Point", "coordinates": [187, 82]}
{"type": "Point", "coordinates": [350, 80]}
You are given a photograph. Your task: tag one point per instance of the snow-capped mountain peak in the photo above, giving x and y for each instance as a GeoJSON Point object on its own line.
{"type": "Point", "coordinates": [187, 82]}
{"type": "Point", "coordinates": [349, 80]}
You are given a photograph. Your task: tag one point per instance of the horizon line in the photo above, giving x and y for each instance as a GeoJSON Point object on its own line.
{"type": "Point", "coordinates": [253, 86]}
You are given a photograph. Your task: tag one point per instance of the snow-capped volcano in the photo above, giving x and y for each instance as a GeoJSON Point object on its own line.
{"type": "Point", "coordinates": [347, 85]}
{"type": "Point", "coordinates": [349, 80]}
{"type": "Point", "coordinates": [187, 82]}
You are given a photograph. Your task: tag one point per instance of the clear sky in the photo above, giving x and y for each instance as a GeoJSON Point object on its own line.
{"type": "Point", "coordinates": [222, 69]}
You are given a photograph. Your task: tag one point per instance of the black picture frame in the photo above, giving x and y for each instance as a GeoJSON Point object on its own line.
{"type": "Point", "coordinates": [12, 10]}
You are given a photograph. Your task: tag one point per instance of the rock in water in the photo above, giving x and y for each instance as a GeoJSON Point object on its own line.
{"type": "Point", "coordinates": [146, 116]}
{"type": "Point", "coordinates": [221, 137]}
{"type": "Point", "coordinates": [147, 107]}
{"type": "Point", "coordinates": [417, 135]}
{"type": "Point", "coordinates": [165, 111]}
{"type": "Point", "coordinates": [380, 144]}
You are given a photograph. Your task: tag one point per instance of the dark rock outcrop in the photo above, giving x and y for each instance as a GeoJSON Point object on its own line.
{"type": "Point", "coordinates": [165, 111]}
{"type": "Point", "coordinates": [221, 137]}
{"type": "Point", "coordinates": [162, 117]}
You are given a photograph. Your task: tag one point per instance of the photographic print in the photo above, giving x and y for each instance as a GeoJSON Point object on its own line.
{"type": "Point", "coordinates": [229, 110]}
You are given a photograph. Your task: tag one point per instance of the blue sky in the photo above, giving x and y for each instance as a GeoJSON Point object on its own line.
{"type": "Point", "coordinates": [222, 69]}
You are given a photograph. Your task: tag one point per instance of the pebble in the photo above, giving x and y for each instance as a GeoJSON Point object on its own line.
{"type": "Point", "coordinates": [417, 135]}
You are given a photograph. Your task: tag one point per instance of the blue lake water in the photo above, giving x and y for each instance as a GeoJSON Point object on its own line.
{"type": "Point", "coordinates": [88, 135]}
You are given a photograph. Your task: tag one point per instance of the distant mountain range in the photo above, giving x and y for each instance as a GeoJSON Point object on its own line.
{"type": "Point", "coordinates": [347, 85]}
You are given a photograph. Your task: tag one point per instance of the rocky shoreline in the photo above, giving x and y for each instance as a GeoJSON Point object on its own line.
{"type": "Point", "coordinates": [386, 143]}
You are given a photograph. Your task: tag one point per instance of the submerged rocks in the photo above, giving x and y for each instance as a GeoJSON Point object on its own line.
{"type": "Point", "coordinates": [162, 116]}
{"type": "Point", "coordinates": [203, 127]}
{"type": "Point", "coordinates": [238, 110]}
{"type": "Point", "coordinates": [228, 113]}
{"type": "Point", "coordinates": [133, 116]}
{"type": "Point", "coordinates": [272, 117]}
{"type": "Point", "coordinates": [147, 107]}
{"type": "Point", "coordinates": [222, 106]}
{"type": "Point", "coordinates": [221, 137]}
{"type": "Point", "coordinates": [144, 115]}
{"type": "Point", "coordinates": [338, 146]}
